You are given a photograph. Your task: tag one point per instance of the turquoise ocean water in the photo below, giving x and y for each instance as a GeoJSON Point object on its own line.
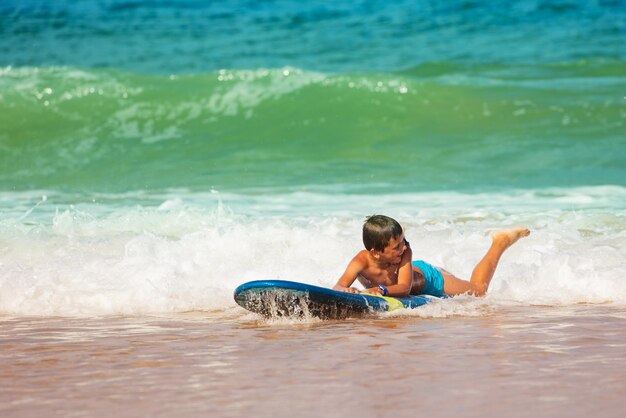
{"type": "Point", "coordinates": [156, 154]}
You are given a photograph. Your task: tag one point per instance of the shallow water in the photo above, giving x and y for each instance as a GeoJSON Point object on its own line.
{"type": "Point", "coordinates": [524, 361]}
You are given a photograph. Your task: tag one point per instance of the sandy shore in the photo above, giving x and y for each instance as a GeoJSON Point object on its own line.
{"type": "Point", "coordinates": [527, 361]}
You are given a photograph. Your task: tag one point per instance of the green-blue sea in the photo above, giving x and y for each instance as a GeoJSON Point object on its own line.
{"type": "Point", "coordinates": [169, 151]}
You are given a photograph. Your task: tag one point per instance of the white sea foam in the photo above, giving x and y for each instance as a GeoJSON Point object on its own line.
{"type": "Point", "coordinates": [183, 251]}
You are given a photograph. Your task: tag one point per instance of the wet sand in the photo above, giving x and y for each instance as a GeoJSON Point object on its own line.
{"type": "Point", "coordinates": [515, 361]}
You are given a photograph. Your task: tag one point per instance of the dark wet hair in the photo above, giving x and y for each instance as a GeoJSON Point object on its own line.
{"type": "Point", "coordinates": [378, 231]}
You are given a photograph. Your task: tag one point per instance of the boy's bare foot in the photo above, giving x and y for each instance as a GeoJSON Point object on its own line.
{"type": "Point", "coordinates": [509, 237]}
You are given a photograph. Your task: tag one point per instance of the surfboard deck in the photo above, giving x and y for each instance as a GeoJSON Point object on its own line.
{"type": "Point", "coordinates": [281, 298]}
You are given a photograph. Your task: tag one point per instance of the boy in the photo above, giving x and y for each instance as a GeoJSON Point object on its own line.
{"type": "Point", "coordinates": [385, 266]}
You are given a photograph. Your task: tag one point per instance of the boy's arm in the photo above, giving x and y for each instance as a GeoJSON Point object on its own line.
{"type": "Point", "coordinates": [349, 276]}
{"type": "Point", "coordinates": [405, 281]}
{"type": "Point", "coordinates": [405, 278]}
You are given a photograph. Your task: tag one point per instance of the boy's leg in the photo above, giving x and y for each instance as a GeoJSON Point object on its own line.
{"type": "Point", "coordinates": [484, 270]}
{"type": "Point", "coordinates": [452, 285]}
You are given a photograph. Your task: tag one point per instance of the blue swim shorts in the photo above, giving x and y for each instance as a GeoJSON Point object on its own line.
{"type": "Point", "coordinates": [433, 277]}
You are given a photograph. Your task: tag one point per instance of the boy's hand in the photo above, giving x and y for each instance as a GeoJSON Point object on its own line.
{"type": "Point", "coordinates": [374, 291]}
{"type": "Point", "coordinates": [345, 289]}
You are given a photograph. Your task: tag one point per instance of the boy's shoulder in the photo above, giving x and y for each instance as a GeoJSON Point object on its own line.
{"type": "Point", "coordinates": [362, 258]}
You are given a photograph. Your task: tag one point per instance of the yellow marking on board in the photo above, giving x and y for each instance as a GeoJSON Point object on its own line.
{"type": "Point", "coordinates": [392, 303]}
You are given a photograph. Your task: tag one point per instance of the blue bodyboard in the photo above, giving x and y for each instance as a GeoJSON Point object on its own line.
{"type": "Point", "coordinates": [280, 298]}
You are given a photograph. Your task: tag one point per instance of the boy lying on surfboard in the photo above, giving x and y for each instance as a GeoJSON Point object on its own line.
{"type": "Point", "coordinates": [386, 268]}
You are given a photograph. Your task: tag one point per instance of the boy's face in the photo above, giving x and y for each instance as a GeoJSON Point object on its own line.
{"type": "Point", "coordinates": [394, 250]}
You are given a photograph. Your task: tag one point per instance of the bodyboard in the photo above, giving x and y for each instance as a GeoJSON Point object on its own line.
{"type": "Point", "coordinates": [281, 298]}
